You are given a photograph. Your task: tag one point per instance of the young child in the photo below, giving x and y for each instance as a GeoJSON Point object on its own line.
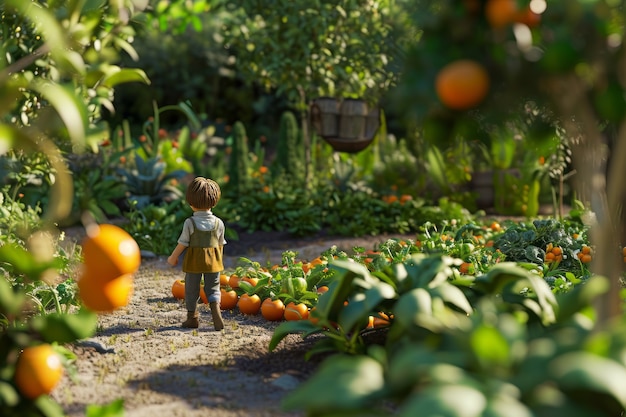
{"type": "Point", "coordinates": [203, 239]}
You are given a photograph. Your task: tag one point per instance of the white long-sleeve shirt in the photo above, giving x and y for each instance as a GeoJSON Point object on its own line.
{"type": "Point", "coordinates": [205, 220]}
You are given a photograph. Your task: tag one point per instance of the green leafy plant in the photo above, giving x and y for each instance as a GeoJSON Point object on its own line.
{"type": "Point", "coordinates": [289, 154]}
{"type": "Point", "coordinates": [527, 242]}
{"type": "Point", "coordinates": [96, 189]}
{"type": "Point", "coordinates": [156, 228]}
{"type": "Point", "coordinates": [495, 360]}
{"type": "Point", "coordinates": [148, 183]}
{"type": "Point", "coordinates": [56, 72]}
{"type": "Point", "coordinates": [239, 162]}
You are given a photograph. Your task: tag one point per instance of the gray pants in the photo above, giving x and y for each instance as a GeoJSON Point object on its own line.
{"type": "Point", "coordinates": [192, 288]}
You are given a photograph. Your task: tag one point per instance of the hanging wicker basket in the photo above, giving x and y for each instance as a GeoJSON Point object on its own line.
{"type": "Point", "coordinates": [348, 125]}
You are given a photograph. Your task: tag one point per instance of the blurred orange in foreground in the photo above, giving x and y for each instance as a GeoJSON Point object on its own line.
{"type": "Point", "coordinates": [105, 297]}
{"type": "Point", "coordinates": [38, 371]}
{"type": "Point", "coordinates": [109, 251]}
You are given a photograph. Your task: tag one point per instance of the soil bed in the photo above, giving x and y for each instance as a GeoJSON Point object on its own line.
{"type": "Point", "coordinates": [141, 354]}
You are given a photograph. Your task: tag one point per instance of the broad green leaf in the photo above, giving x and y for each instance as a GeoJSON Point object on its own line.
{"type": "Point", "coordinates": [11, 302]}
{"type": "Point", "coordinates": [489, 346]}
{"type": "Point", "coordinates": [66, 328]}
{"type": "Point", "coordinates": [424, 271]}
{"type": "Point", "coordinates": [53, 32]}
{"type": "Point", "coordinates": [506, 406]}
{"type": "Point", "coordinates": [24, 262]}
{"type": "Point", "coordinates": [453, 295]}
{"type": "Point", "coordinates": [48, 407]}
{"type": "Point", "coordinates": [586, 372]}
{"type": "Point", "coordinates": [409, 366]}
{"type": "Point", "coordinates": [7, 138]}
{"type": "Point", "coordinates": [545, 298]}
{"type": "Point", "coordinates": [8, 394]}
{"type": "Point", "coordinates": [68, 106]}
{"type": "Point", "coordinates": [331, 304]}
{"type": "Point", "coordinates": [341, 383]}
{"type": "Point", "coordinates": [412, 306]}
{"type": "Point", "coordinates": [124, 75]}
{"type": "Point", "coordinates": [358, 310]}
{"type": "Point", "coordinates": [186, 109]}
{"type": "Point", "coordinates": [126, 47]}
{"type": "Point", "coordinates": [499, 276]}
{"type": "Point", "coordinates": [10, 91]}
{"type": "Point", "coordinates": [445, 401]}
{"type": "Point", "coordinates": [291, 327]}
{"type": "Point", "coordinates": [580, 297]}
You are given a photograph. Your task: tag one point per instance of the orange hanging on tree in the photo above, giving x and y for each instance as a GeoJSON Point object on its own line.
{"type": "Point", "coordinates": [462, 84]}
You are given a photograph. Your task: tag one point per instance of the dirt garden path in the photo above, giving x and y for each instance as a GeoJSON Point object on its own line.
{"type": "Point", "coordinates": [141, 354]}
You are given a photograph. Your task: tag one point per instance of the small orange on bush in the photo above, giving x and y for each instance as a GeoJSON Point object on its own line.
{"type": "Point", "coordinates": [466, 267]}
{"type": "Point", "coordinates": [228, 299]}
{"type": "Point", "coordinates": [272, 310]}
{"type": "Point", "coordinates": [38, 371]}
{"type": "Point", "coordinates": [249, 304]}
{"type": "Point", "coordinates": [105, 297]}
{"type": "Point", "coordinates": [296, 311]}
{"type": "Point", "coordinates": [462, 84]}
{"type": "Point", "coordinates": [111, 251]}
{"type": "Point", "coordinates": [178, 289]}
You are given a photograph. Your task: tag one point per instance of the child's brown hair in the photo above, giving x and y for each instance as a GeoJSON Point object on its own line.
{"type": "Point", "coordinates": [203, 193]}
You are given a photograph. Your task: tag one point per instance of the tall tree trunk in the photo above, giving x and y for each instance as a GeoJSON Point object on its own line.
{"type": "Point", "coordinates": [603, 188]}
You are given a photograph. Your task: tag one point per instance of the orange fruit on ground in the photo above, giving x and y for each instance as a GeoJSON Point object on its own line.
{"type": "Point", "coordinates": [38, 370]}
{"type": "Point", "coordinates": [272, 310]}
{"type": "Point", "coordinates": [110, 252]}
{"type": "Point", "coordinates": [224, 280]}
{"type": "Point", "coordinates": [233, 281]}
{"type": "Point", "coordinates": [203, 296]}
{"type": "Point", "coordinates": [500, 13]}
{"type": "Point", "coordinates": [322, 289]}
{"type": "Point", "coordinates": [178, 289]}
{"type": "Point", "coordinates": [228, 299]}
{"type": "Point", "coordinates": [249, 304]}
{"type": "Point", "coordinates": [378, 322]}
{"type": "Point", "coordinates": [105, 297]}
{"type": "Point", "coordinates": [462, 84]}
{"type": "Point", "coordinates": [251, 280]}
{"type": "Point", "coordinates": [317, 261]}
{"type": "Point", "coordinates": [296, 311]}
